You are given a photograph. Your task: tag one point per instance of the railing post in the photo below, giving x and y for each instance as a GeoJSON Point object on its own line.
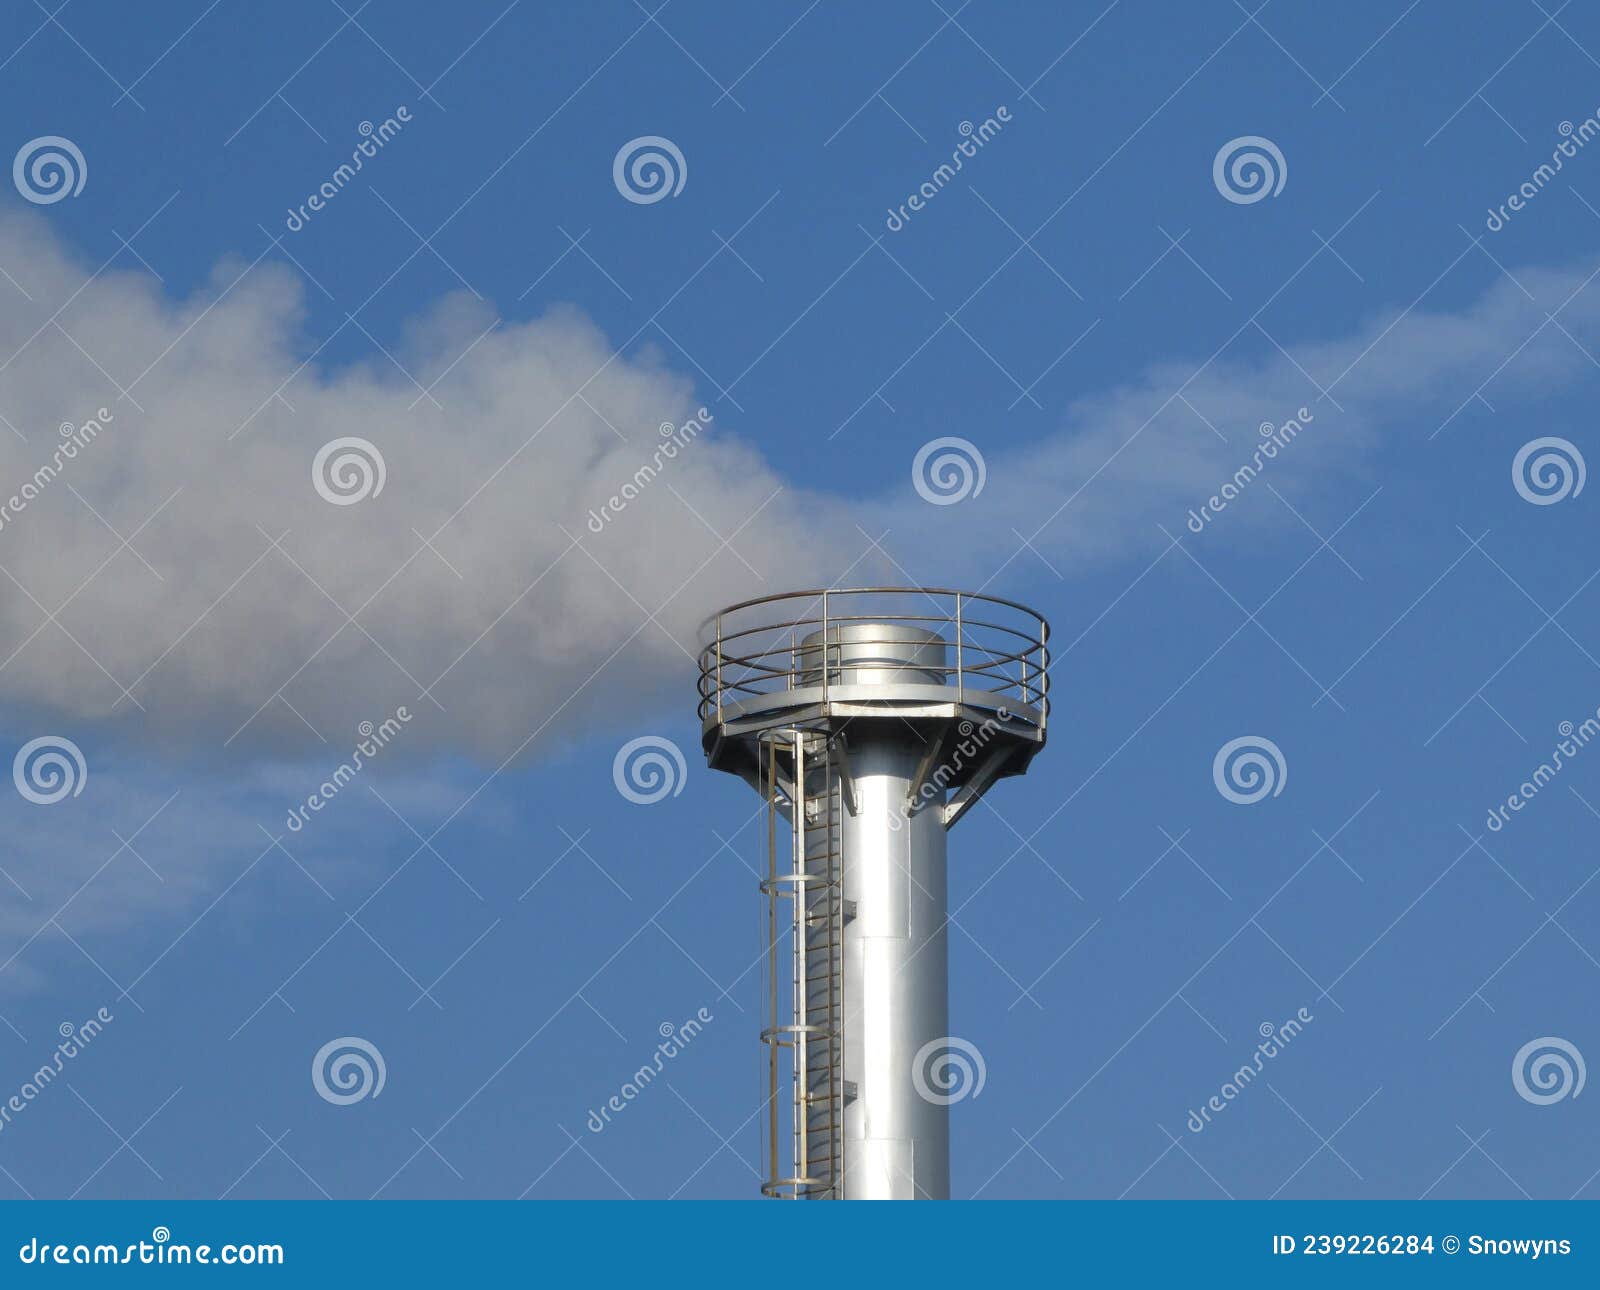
{"type": "Point", "coordinates": [719, 669]}
{"type": "Point", "coordinates": [1044, 674]}
{"type": "Point", "coordinates": [961, 680]}
{"type": "Point", "coordinates": [825, 645]}
{"type": "Point", "coordinates": [792, 681]}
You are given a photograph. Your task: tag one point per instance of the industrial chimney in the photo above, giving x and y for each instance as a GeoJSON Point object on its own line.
{"type": "Point", "coordinates": [870, 720]}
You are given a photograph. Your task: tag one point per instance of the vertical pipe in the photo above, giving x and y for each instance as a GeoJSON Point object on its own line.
{"type": "Point", "coordinates": [896, 993]}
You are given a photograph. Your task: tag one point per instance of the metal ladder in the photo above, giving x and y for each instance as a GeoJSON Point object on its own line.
{"type": "Point", "coordinates": [804, 1033]}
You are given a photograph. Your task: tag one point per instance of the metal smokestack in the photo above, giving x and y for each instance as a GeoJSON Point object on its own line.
{"type": "Point", "coordinates": [870, 720]}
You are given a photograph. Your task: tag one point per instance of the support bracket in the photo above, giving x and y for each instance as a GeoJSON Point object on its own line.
{"type": "Point", "coordinates": [976, 787]}
{"type": "Point", "coordinates": [847, 780]}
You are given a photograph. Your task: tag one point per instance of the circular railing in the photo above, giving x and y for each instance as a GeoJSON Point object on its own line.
{"type": "Point", "coordinates": [985, 650]}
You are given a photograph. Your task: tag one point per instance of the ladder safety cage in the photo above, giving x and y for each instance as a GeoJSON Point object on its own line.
{"type": "Point", "coordinates": [804, 1034]}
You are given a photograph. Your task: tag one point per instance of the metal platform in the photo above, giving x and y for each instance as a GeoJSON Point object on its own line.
{"type": "Point", "coordinates": [968, 673]}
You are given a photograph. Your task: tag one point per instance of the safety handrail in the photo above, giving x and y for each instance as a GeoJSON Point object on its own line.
{"type": "Point", "coordinates": [757, 648]}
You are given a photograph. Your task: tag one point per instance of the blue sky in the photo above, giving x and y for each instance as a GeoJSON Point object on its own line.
{"type": "Point", "coordinates": [1080, 302]}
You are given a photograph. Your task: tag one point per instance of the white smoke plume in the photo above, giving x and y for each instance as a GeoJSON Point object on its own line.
{"type": "Point", "coordinates": [1135, 459]}
{"type": "Point", "coordinates": [481, 596]}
